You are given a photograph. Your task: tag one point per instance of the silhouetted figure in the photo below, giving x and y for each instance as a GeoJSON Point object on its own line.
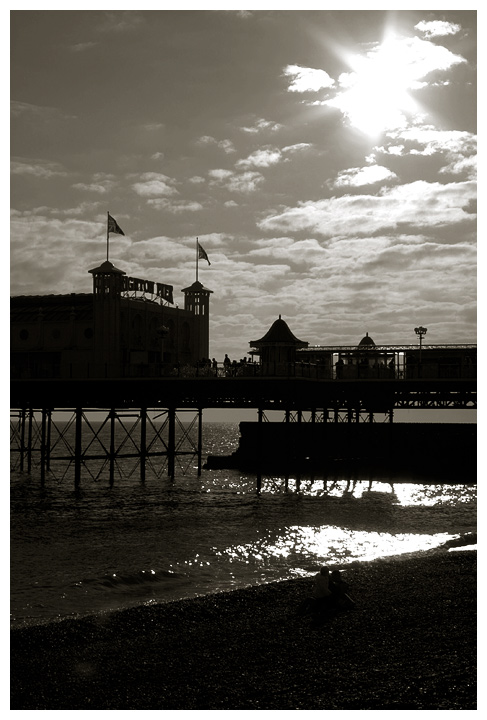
{"type": "Point", "coordinates": [330, 594]}
{"type": "Point", "coordinates": [392, 368]}
{"type": "Point", "coordinates": [339, 590]}
{"type": "Point", "coordinates": [227, 363]}
{"type": "Point", "coordinates": [322, 590]}
{"type": "Point", "coordinates": [214, 365]}
{"type": "Point", "coordinates": [339, 367]}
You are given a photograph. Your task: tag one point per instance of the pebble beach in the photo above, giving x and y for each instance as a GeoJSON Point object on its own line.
{"type": "Point", "coordinates": [409, 643]}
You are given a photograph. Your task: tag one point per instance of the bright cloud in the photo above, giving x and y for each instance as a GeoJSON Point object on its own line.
{"type": "Point", "coordinates": [261, 158]}
{"type": "Point", "coordinates": [376, 94]}
{"type": "Point", "coordinates": [355, 177]}
{"type": "Point", "coordinates": [437, 28]}
{"type": "Point", "coordinates": [305, 79]}
{"type": "Point", "coordinates": [416, 204]}
{"type": "Point", "coordinates": [154, 185]}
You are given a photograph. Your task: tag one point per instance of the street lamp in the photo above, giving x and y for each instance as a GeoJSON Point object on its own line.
{"type": "Point", "coordinates": [420, 331]}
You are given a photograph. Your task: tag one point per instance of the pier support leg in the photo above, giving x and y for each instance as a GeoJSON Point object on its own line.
{"type": "Point", "coordinates": [43, 447]}
{"type": "Point", "coordinates": [112, 446]}
{"type": "Point", "coordinates": [171, 449]}
{"type": "Point", "coordinates": [200, 439]}
{"type": "Point", "coordinates": [29, 440]}
{"type": "Point", "coordinates": [48, 440]}
{"type": "Point", "coordinates": [22, 438]}
{"type": "Point", "coordinates": [143, 442]}
{"type": "Point", "coordinates": [77, 446]}
{"type": "Point", "coordinates": [260, 414]}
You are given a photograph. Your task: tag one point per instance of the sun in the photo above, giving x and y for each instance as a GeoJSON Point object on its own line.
{"type": "Point", "coordinates": [375, 94]}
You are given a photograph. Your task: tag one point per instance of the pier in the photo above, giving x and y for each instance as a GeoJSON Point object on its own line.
{"type": "Point", "coordinates": [141, 416]}
{"type": "Point", "coordinates": [119, 374]}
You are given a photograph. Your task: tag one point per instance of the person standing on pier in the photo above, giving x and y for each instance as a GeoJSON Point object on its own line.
{"type": "Point", "coordinates": [227, 364]}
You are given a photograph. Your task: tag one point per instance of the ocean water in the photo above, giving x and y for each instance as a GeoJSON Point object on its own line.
{"type": "Point", "coordinates": [101, 548]}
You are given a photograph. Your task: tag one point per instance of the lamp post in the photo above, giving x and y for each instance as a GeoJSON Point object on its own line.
{"type": "Point", "coordinates": [420, 331]}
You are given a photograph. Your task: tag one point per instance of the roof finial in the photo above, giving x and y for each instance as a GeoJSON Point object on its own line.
{"type": "Point", "coordinates": [279, 316]}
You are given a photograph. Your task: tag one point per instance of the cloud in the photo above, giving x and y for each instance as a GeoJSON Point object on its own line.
{"type": "Point", "coordinates": [152, 127]}
{"type": "Point", "coordinates": [91, 187]}
{"type": "Point", "coordinates": [305, 79]}
{"type": "Point", "coordinates": [119, 21]}
{"type": "Point", "coordinates": [376, 94]}
{"type": "Point", "coordinates": [355, 177]}
{"type": "Point", "coordinates": [265, 157]}
{"type": "Point", "coordinates": [296, 147]}
{"type": "Point", "coordinates": [458, 147]}
{"type": "Point", "coordinates": [50, 252]}
{"type": "Point", "coordinates": [175, 206]}
{"type": "Point", "coordinates": [418, 204]}
{"type": "Point", "coordinates": [43, 169]}
{"type": "Point", "coordinates": [154, 185]}
{"type": "Point", "coordinates": [38, 113]}
{"type": "Point", "coordinates": [101, 183]}
{"type": "Point", "coordinates": [261, 125]}
{"type": "Point", "coordinates": [219, 174]}
{"type": "Point", "coordinates": [437, 28]}
{"type": "Point", "coordinates": [439, 140]}
{"type": "Point", "coordinates": [244, 183]}
{"type": "Point", "coordinates": [82, 46]}
{"type": "Point", "coordinates": [225, 145]}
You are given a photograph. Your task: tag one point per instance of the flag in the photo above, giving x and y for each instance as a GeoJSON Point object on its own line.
{"type": "Point", "coordinates": [202, 254]}
{"type": "Point", "coordinates": [113, 226]}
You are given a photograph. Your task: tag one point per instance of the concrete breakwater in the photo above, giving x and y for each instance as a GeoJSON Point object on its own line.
{"type": "Point", "coordinates": [283, 448]}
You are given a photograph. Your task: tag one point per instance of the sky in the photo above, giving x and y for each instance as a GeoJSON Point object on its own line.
{"type": "Point", "coordinates": [325, 160]}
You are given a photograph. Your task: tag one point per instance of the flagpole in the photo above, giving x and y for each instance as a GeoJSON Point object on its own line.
{"type": "Point", "coordinates": [108, 234]}
{"type": "Point", "coordinates": [197, 255]}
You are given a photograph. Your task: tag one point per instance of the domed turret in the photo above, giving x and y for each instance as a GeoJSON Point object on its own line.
{"type": "Point", "coordinates": [366, 341]}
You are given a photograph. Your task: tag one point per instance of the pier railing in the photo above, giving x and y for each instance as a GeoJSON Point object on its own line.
{"type": "Point", "coordinates": [315, 371]}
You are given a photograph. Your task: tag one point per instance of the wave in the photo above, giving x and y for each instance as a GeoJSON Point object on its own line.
{"type": "Point", "coordinates": [123, 581]}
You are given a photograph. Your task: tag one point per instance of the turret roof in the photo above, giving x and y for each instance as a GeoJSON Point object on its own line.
{"type": "Point", "coordinates": [279, 334]}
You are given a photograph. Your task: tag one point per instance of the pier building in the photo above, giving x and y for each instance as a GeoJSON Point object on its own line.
{"type": "Point", "coordinates": [125, 327]}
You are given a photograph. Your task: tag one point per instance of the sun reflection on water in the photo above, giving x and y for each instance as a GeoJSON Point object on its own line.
{"type": "Point", "coordinates": [300, 545]}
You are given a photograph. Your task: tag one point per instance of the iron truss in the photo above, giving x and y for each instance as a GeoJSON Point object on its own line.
{"type": "Point", "coordinates": [431, 399]}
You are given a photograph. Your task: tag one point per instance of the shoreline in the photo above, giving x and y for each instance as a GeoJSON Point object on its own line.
{"type": "Point", "coordinates": [408, 644]}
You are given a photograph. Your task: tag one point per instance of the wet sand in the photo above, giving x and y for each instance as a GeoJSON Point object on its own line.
{"type": "Point", "coordinates": [409, 643]}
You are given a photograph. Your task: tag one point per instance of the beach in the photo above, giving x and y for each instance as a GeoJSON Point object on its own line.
{"type": "Point", "coordinates": [409, 643]}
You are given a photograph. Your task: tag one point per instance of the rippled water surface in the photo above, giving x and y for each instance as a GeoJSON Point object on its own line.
{"type": "Point", "coordinates": [107, 547]}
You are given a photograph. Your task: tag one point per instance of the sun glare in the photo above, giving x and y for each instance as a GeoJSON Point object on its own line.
{"type": "Point", "coordinates": [375, 94]}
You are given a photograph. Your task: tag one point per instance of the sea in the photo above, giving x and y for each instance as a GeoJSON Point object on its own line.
{"type": "Point", "coordinates": [103, 547]}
